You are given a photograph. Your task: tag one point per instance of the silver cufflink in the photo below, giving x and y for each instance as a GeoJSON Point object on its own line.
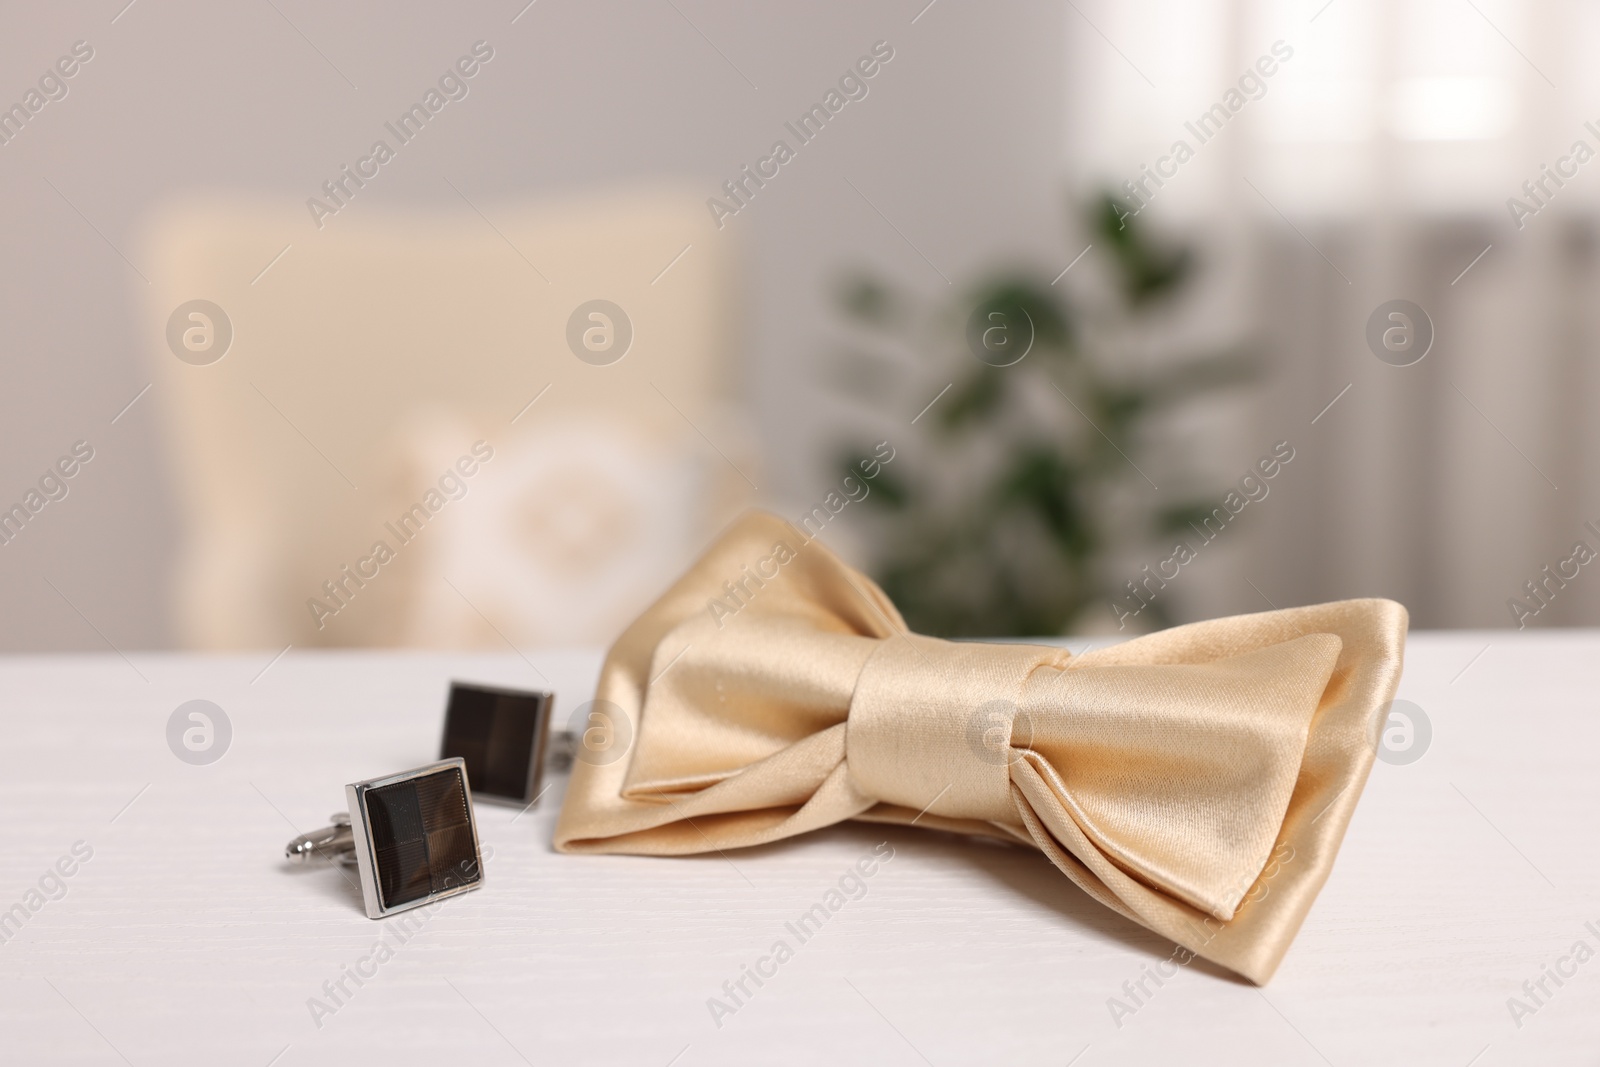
{"type": "Point", "coordinates": [503, 736]}
{"type": "Point", "coordinates": [412, 835]}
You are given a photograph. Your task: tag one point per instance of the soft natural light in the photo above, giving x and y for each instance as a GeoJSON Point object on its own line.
{"type": "Point", "coordinates": [1452, 109]}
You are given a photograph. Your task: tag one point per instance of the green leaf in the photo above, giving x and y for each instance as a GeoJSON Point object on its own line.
{"type": "Point", "coordinates": [1179, 518]}
{"type": "Point", "coordinates": [1041, 481]}
{"type": "Point", "coordinates": [887, 489]}
{"type": "Point", "coordinates": [866, 299]}
{"type": "Point", "coordinates": [1034, 300]}
{"type": "Point", "coordinates": [977, 398]}
{"type": "Point", "coordinates": [1148, 271]}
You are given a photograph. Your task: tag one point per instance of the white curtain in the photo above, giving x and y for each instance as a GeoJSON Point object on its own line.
{"type": "Point", "coordinates": [1374, 150]}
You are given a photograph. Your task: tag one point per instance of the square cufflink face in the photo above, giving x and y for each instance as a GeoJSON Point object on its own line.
{"type": "Point", "coordinates": [501, 735]}
{"type": "Point", "coordinates": [415, 838]}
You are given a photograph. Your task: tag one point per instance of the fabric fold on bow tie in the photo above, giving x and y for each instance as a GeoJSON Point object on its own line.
{"type": "Point", "coordinates": [1197, 781]}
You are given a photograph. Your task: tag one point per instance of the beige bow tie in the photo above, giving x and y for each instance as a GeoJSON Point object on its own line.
{"type": "Point", "coordinates": [1197, 780]}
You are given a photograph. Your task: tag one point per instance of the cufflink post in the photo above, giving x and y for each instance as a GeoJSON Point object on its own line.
{"type": "Point", "coordinates": [335, 843]}
{"type": "Point", "coordinates": [563, 748]}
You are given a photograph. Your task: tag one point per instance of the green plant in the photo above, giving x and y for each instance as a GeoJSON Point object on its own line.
{"type": "Point", "coordinates": [1022, 479]}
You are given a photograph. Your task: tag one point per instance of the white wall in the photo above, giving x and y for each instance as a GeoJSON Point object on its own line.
{"type": "Point", "coordinates": [959, 143]}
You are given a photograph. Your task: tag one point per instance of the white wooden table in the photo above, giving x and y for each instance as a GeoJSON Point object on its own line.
{"type": "Point", "coordinates": [186, 938]}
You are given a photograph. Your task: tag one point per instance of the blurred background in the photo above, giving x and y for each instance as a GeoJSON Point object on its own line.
{"type": "Point", "coordinates": [395, 325]}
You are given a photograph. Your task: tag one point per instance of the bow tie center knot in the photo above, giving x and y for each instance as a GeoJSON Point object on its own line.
{"type": "Point", "coordinates": [934, 725]}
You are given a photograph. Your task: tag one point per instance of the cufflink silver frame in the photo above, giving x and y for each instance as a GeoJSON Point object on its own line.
{"type": "Point", "coordinates": [412, 835]}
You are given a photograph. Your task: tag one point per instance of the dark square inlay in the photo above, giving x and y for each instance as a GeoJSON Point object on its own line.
{"type": "Point", "coordinates": [500, 733]}
{"type": "Point", "coordinates": [422, 836]}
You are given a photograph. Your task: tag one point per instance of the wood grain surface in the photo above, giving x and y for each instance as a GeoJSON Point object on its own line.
{"type": "Point", "coordinates": [186, 937]}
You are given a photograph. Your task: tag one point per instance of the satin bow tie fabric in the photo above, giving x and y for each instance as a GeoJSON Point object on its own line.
{"type": "Point", "coordinates": [1197, 781]}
